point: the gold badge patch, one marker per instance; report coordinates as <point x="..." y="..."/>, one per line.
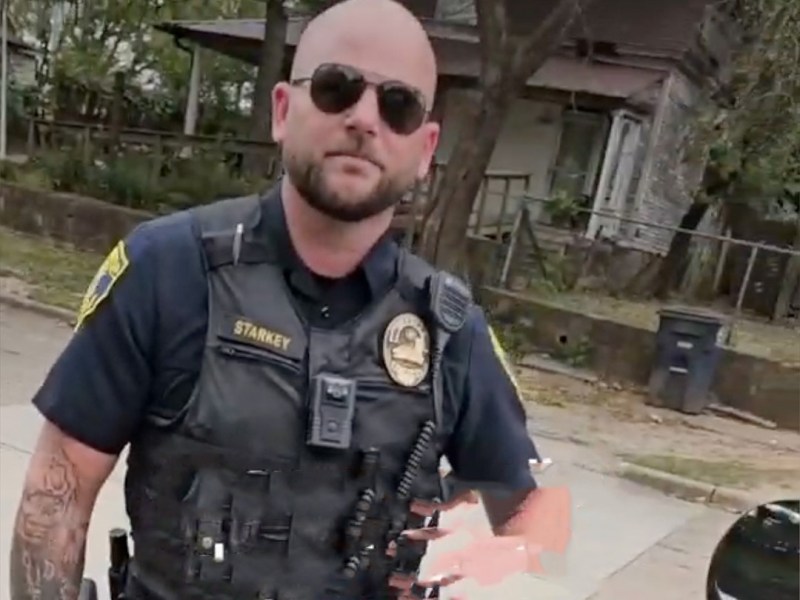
<point x="504" y="360"/>
<point x="107" y="275"/>
<point x="406" y="349"/>
<point x="247" y="331"/>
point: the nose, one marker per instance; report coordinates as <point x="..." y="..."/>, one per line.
<point x="364" y="115"/>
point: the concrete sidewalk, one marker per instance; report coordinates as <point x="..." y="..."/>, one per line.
<point x="29" y="344"/>
<point x="617" y="524"/>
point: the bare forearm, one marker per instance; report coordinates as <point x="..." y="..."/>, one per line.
<point x="48" y="546"/>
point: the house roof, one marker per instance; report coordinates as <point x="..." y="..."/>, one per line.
<point x="634" y="26"/>
<point x="230" y="30"/>
<point x="17" y="44"/>
<point x="455" y="47"/>
<point x="649" y="28"/>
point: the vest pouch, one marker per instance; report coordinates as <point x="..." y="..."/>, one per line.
<point x="247" y="353"/>
<point x="235" y="535"/>
<point x="206" y="527"/>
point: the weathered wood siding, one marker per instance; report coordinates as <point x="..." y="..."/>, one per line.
<point x="667" y="191"/>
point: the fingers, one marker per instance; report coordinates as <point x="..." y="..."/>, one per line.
<point x="427" y="509"/>
<point x="409" y="585"/>
<point x="426" y="534"/>
<point x="440" y="580"/>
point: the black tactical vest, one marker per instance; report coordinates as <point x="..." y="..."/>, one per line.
<point x="293" y="463"/>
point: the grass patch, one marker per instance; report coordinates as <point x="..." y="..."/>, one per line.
<point x="58" y="274"/>
<point x="723" y="473"/>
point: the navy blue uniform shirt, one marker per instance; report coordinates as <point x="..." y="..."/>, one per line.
<point x="140" y="349"/>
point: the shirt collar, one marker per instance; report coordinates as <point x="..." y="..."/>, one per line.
<point x="379" y="265"/>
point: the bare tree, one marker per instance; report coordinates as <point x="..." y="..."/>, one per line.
<point x="508" y="59"/>
<point x="272" y="61"/>
<point x="270" y="67"/>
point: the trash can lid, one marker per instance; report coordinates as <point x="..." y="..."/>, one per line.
<point x="688" y="313"/>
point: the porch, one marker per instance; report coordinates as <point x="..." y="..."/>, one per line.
<point x="585" y="156"/>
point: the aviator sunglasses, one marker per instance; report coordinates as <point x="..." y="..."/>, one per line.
<point x="335" y="88"/>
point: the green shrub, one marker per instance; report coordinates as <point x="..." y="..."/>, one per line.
<point x="26" y="175"/>
<point x="126" y="180"/>
<point x="9" y="171"/>
<point x="203" y="178"/>
<point x="513" y="338"/>
<point x="130" y="178"/>
<point x="67" y="171"/>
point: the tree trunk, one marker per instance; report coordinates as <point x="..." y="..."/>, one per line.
<point x="270" y="71"/>
<point x="717" y="185"/>
<point x="117" y="109"/>
<point x="444" y="237"/>
<point x="675" y="260"/>
<point x="507" y="61"/>
<point x="791" y="279"/>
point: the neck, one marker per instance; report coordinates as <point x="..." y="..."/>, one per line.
<point x="329" y="247"/>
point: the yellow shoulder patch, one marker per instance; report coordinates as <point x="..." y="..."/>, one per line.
<point x="504" y="360"/>
<point x="107" y="275"/>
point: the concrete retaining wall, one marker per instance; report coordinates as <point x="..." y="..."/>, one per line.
<point x="768" y="389"/>
<point x="86" y="223"/>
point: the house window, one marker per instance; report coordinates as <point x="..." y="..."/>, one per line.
<point x="580" y="150"/>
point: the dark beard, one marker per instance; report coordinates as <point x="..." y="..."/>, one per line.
<point x="308" y="181"/>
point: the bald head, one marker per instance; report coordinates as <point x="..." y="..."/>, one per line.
<point x="356" y="135"/>
<point x="385" y="36"/>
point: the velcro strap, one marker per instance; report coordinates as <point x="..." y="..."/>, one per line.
<point x="219" y="250"/>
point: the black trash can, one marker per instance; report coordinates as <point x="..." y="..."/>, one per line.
<point x="687" y="354"/>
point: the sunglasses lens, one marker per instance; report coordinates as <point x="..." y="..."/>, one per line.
<point x="401" y="108"/>
<point x="335" y="88"/>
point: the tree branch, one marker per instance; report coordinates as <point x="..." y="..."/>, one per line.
<point x="492" y="27"/>
<point x="548" y="36"/>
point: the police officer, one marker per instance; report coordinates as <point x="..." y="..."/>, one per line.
<point x="284" y="376"/>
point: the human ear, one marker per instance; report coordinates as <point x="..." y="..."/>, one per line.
<point x="280" y="109"/>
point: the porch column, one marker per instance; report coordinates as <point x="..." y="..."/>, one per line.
<point x="190" y="117"/>
<point x="4" y="82"/>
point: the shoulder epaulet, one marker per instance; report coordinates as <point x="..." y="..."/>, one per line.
<point x="415" y="269"/>
<point x="225" y="229"/>
<point x="224" y="215"/>
<point x="448" y="297"/>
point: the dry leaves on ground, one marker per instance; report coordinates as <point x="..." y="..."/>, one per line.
<point x="617" y="420"/>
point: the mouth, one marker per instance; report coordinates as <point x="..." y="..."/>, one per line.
<point x="354" y="156"/>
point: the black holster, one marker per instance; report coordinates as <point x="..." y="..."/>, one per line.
<point x="118" y="564"/>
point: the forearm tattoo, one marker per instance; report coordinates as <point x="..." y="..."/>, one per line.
<point x="48" y="546"/>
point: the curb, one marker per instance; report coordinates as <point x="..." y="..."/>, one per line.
<point x="689" y="489"/>
<point x="46" y="310"/>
